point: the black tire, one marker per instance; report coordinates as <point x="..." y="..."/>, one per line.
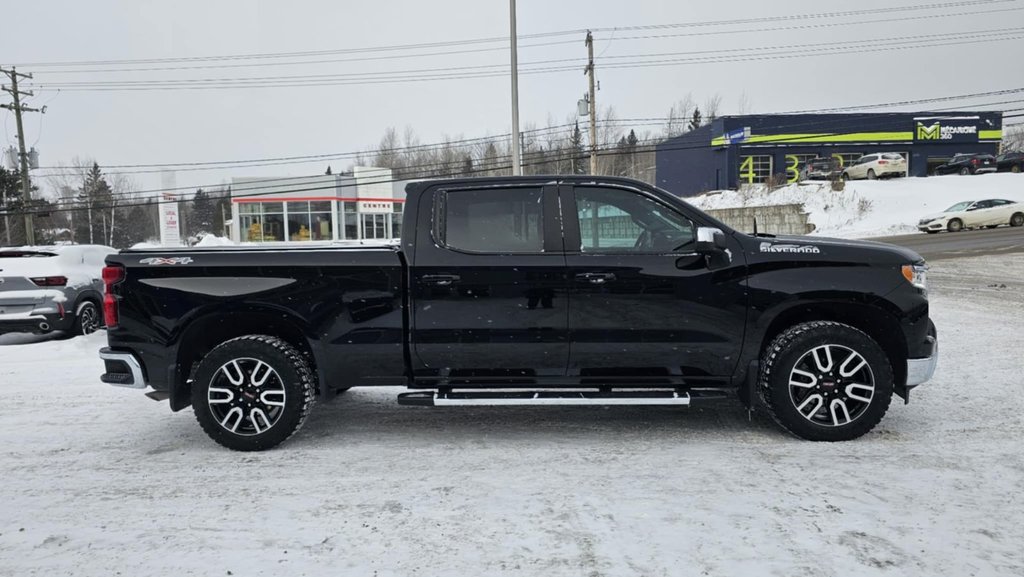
<point x="846" y="177"/>
<point x="955" y="225"/>
<point x="1017" y="219"/>
<point x="965" y="171"/>
<point x="288" y="378"/>
<point x="871" y="174"/>
<point x="88" y="319"/>
<point x="1015" y="169"/>
<point x="789" y="350"/>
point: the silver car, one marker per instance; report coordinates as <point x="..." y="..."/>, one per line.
<point x="50" y="288"/>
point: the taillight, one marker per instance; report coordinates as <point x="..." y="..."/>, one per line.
<point x="111" y="276"/>
<point x="974" y="161"/>
<point x="50" y="280"/>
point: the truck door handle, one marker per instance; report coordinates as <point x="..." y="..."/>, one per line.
<point x="440" y="279"/>
<point x="596" y="277"/>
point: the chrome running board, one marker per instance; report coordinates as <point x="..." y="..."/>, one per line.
<point x="551" y="398"/>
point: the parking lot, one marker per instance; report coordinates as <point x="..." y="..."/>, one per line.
<point x="102" y="481"/>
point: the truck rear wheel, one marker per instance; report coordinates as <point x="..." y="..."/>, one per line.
<point x="826" y="381"/>
<point x="253" y="392"/>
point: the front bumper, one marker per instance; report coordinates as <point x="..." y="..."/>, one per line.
<point x="921" y="370"/>
<point x="932" y="225"/>
<point x="122" y="369"/>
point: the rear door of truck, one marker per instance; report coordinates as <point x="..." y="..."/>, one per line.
<point x="488" y="284"/>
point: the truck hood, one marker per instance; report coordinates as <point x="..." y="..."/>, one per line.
<point x="818" y="248"/>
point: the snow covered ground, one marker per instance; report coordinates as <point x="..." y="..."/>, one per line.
<point x="873" y="208"/>
<point x="102" y="481"/>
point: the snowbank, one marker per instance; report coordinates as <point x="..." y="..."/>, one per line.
<point x="872" y="208"/>
<point x="214" y="240"/>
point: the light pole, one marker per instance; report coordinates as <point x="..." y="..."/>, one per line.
<point x="517" y="167"/>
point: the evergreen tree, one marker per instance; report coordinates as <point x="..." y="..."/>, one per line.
<point x="695" y="122"/>
<point x="201" y="216"/>
<point x="577" y="153"/>
<point x="96" y="198"/>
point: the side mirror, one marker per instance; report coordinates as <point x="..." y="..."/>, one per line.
<point x="710" y="239"/>
<point x="712" y="244"/>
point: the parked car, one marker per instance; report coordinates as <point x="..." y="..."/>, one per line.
<point x="526" y="291"/>
<point x="50" y="288"/>
<point x="988" y="213"/>
<point x="1010" y="162"/>
<point x="968" y="164"/>
<point x="878" y="165"/>
<point x="824" y="168"/>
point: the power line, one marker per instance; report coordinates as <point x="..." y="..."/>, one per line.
<point x="503" y="67"/>
<point x="478" y="50"/>
<point x="501" y="39"/>
<point x="236" y="83"/>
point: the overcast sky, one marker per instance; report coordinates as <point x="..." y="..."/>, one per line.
<point x="160" y="126"/>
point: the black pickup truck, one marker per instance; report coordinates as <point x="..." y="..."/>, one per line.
<point x="526" y="291"/>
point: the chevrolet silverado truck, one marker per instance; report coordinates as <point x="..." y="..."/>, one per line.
<point x="526" y="291"/>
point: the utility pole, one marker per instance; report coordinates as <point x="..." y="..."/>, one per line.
<point x="18" y="108"/>
<point x="589" y="71"/>
<point x="517" y="167"/>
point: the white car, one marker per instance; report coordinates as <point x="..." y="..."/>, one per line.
<point x="877" y="165"/>
<point x="988" y="213"/>
<point x="50" y="288"/>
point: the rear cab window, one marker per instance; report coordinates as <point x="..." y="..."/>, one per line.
<point x="498" y="221"/>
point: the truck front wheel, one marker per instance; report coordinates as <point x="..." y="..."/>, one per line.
<point x="826" y="381"/>
<point x="253" y="392"/>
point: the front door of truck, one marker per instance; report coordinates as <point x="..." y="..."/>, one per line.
<point x="642" y="303"/>
<point x="488" y="285"/>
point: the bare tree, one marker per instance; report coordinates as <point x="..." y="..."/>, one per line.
<point x="1013" y="139"/>
<point x="743" y="104"/>
<point x="712" y="106"/>
<point x="678" y="116"/>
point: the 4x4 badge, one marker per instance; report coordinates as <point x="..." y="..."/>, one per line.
<point x="166" y="260"/>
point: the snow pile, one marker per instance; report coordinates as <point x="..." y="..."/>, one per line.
<point x="214" y="240"/>
<point x="872" y="208"/>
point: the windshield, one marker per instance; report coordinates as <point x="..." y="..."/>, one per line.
<point x="958" y="207"/>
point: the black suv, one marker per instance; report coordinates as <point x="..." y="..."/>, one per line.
<point x="968" y="164"/>
<point x="1010" y="162"/>
<point x="822" y="168"/>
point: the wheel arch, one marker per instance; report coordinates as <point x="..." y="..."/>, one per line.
<point x="205" y="332"/>
<point x="882" y="326"/>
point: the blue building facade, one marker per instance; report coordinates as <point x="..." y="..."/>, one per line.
<point x="735" y="150"/>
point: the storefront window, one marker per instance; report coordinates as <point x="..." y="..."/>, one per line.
<point x="320" y="220"/>
<point x="348" y="221"/>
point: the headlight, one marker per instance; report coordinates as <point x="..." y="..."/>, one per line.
<point x="917" y="275"/>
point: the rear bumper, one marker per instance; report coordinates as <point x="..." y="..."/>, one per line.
<point x="35" y="322"/>
<point x="985" y="169"/>
<point x="122" y="369"/>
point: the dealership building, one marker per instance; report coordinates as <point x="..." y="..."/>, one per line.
<point x="365" y="204"/>
<point x="731" y="151"/>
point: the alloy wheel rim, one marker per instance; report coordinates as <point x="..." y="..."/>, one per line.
<point x="90" y="320"/>
<point x="246" y="396"/>
<point x="831" y="385"/>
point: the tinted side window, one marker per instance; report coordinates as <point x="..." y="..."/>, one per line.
<point x="621" y="221"/>
<point x="493" y="220"/>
